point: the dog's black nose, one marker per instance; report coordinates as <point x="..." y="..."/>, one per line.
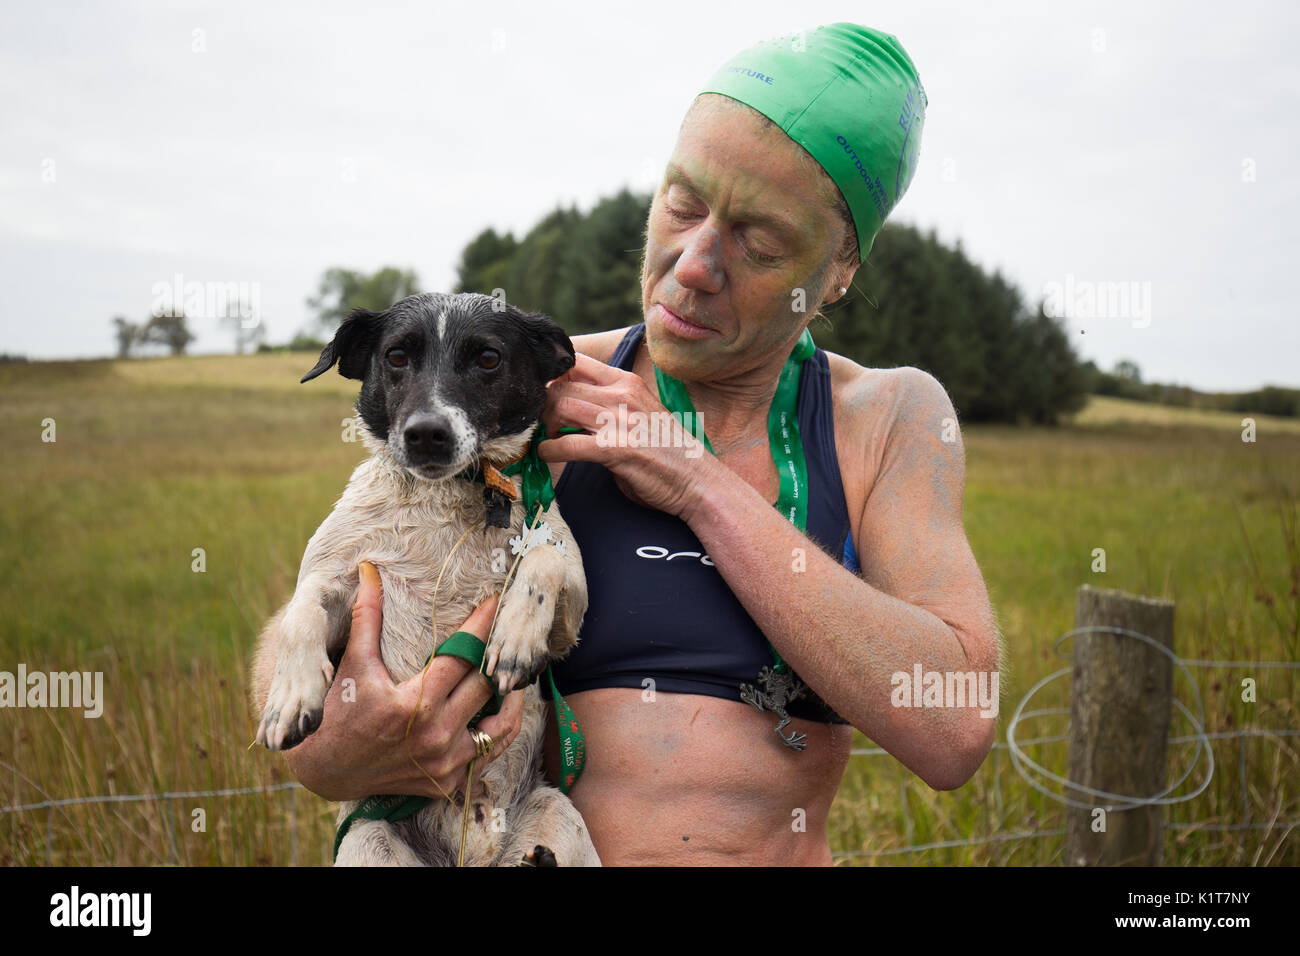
<point x="428" y="439"/>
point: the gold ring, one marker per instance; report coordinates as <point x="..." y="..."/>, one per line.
<point x="482" y="742"/>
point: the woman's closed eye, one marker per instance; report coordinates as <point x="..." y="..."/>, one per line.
<point x="761" y="258"/>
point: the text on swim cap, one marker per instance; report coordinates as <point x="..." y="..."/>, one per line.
<point x="911" y="120"/>
<point x="874" y="184"/>
<point x="754" y="73"/>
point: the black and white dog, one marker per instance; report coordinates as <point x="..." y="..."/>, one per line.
<point x="449" y="382"/>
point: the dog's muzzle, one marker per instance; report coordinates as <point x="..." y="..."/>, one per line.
<point x="429" y="441"/>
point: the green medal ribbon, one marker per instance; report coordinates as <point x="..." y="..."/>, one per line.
<point x="782" y="434"/>
<point x="391" y="808"/>
<point x="536" y="474"/>
<point x="573" y="748"/>
<point x="538" y="494"/>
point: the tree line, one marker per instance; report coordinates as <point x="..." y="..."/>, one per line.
<point x="1125" y="381"/>
<point x="171" y="330"/>
<point x="915" y="301"/>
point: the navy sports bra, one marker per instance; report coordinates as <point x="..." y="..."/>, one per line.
<point x="658" y="608"/>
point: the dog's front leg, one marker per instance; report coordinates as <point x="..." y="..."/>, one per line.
<point x="572" y="605"/>
<point x="303" y="671"/>
<point x="520" y="644"/>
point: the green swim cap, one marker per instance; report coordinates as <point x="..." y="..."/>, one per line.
<point x="851" y="97"/>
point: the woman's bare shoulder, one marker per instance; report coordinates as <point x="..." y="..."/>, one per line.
<point x="876" y="409"/>
<point x="862" y="392"/>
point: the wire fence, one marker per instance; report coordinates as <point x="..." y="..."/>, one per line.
<point x="1011" y="745"/>
<point x="52" y="805"/>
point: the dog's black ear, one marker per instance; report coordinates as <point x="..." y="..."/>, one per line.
<point x="550" y="344"/>
<point x="351" y="347"/>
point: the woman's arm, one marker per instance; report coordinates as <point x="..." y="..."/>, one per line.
<point x="921" y="600"/>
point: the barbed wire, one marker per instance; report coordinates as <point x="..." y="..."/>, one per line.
<point x="1015" y="747"/>
<point x="1200" y="736"/>
<point x="142" y="797"/>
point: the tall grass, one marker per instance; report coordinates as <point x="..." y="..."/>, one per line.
<point x="157" y="458"/>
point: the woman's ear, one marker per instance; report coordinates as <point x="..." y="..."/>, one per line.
<point x="351" y="346"/>
<point x="843" y="282"/>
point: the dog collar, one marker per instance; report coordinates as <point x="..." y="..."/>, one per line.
<point x="499" y="491"/>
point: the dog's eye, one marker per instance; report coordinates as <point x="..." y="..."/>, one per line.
<point x="396" y="358"/>
<point x="489" y="358"/>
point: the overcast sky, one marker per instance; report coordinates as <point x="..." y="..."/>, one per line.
<point x="1067" y="145"/>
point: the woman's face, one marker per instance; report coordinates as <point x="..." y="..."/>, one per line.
<point x="740" y="240"/>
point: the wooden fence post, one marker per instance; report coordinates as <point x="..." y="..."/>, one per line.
<point x="1121" y="701"/>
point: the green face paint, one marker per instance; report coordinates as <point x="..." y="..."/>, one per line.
<point x="851" y="97"/>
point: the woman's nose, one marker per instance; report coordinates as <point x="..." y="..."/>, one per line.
<point x="700" y="264"/>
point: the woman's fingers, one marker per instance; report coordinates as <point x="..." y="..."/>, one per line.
<point x="588" y="369"/>
<point x="597" y="395"/>
<point x="473" y="690"/>
<point x="443" y="746"/>
<point x="361" y="656"/>
<point x="449" y="774"/>
<point x="575" y="447"/>
<point x="467" y="699"/>
<point x="582" y="411"/>
<point x="449" y="692"/>
<point x="479" y="621"/>
<point x="503" y="726"/>
<point x="434" y="685"/>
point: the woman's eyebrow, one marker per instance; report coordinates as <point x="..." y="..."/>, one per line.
<point x="787" y="229"/>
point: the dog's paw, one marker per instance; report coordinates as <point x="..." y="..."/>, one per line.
<point x="541" y="856"/>
<point x="519" y="648"/>
<point x="297" y="699"/>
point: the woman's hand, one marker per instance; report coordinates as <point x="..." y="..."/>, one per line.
<point x="362" y="746"/>
<point x="665" y="470"/>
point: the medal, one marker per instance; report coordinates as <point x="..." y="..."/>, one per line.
<point x="778" y="690"/>
<point x="779" y="685"/>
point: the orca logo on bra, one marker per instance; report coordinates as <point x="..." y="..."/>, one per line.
<point x="654" y="552"/>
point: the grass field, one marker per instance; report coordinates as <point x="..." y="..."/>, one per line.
<point x="156" y="458"/>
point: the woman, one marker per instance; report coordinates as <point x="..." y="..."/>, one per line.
<point x="783" y="172"/>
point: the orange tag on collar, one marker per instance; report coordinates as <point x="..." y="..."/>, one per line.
<point x="494" y="479"/>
